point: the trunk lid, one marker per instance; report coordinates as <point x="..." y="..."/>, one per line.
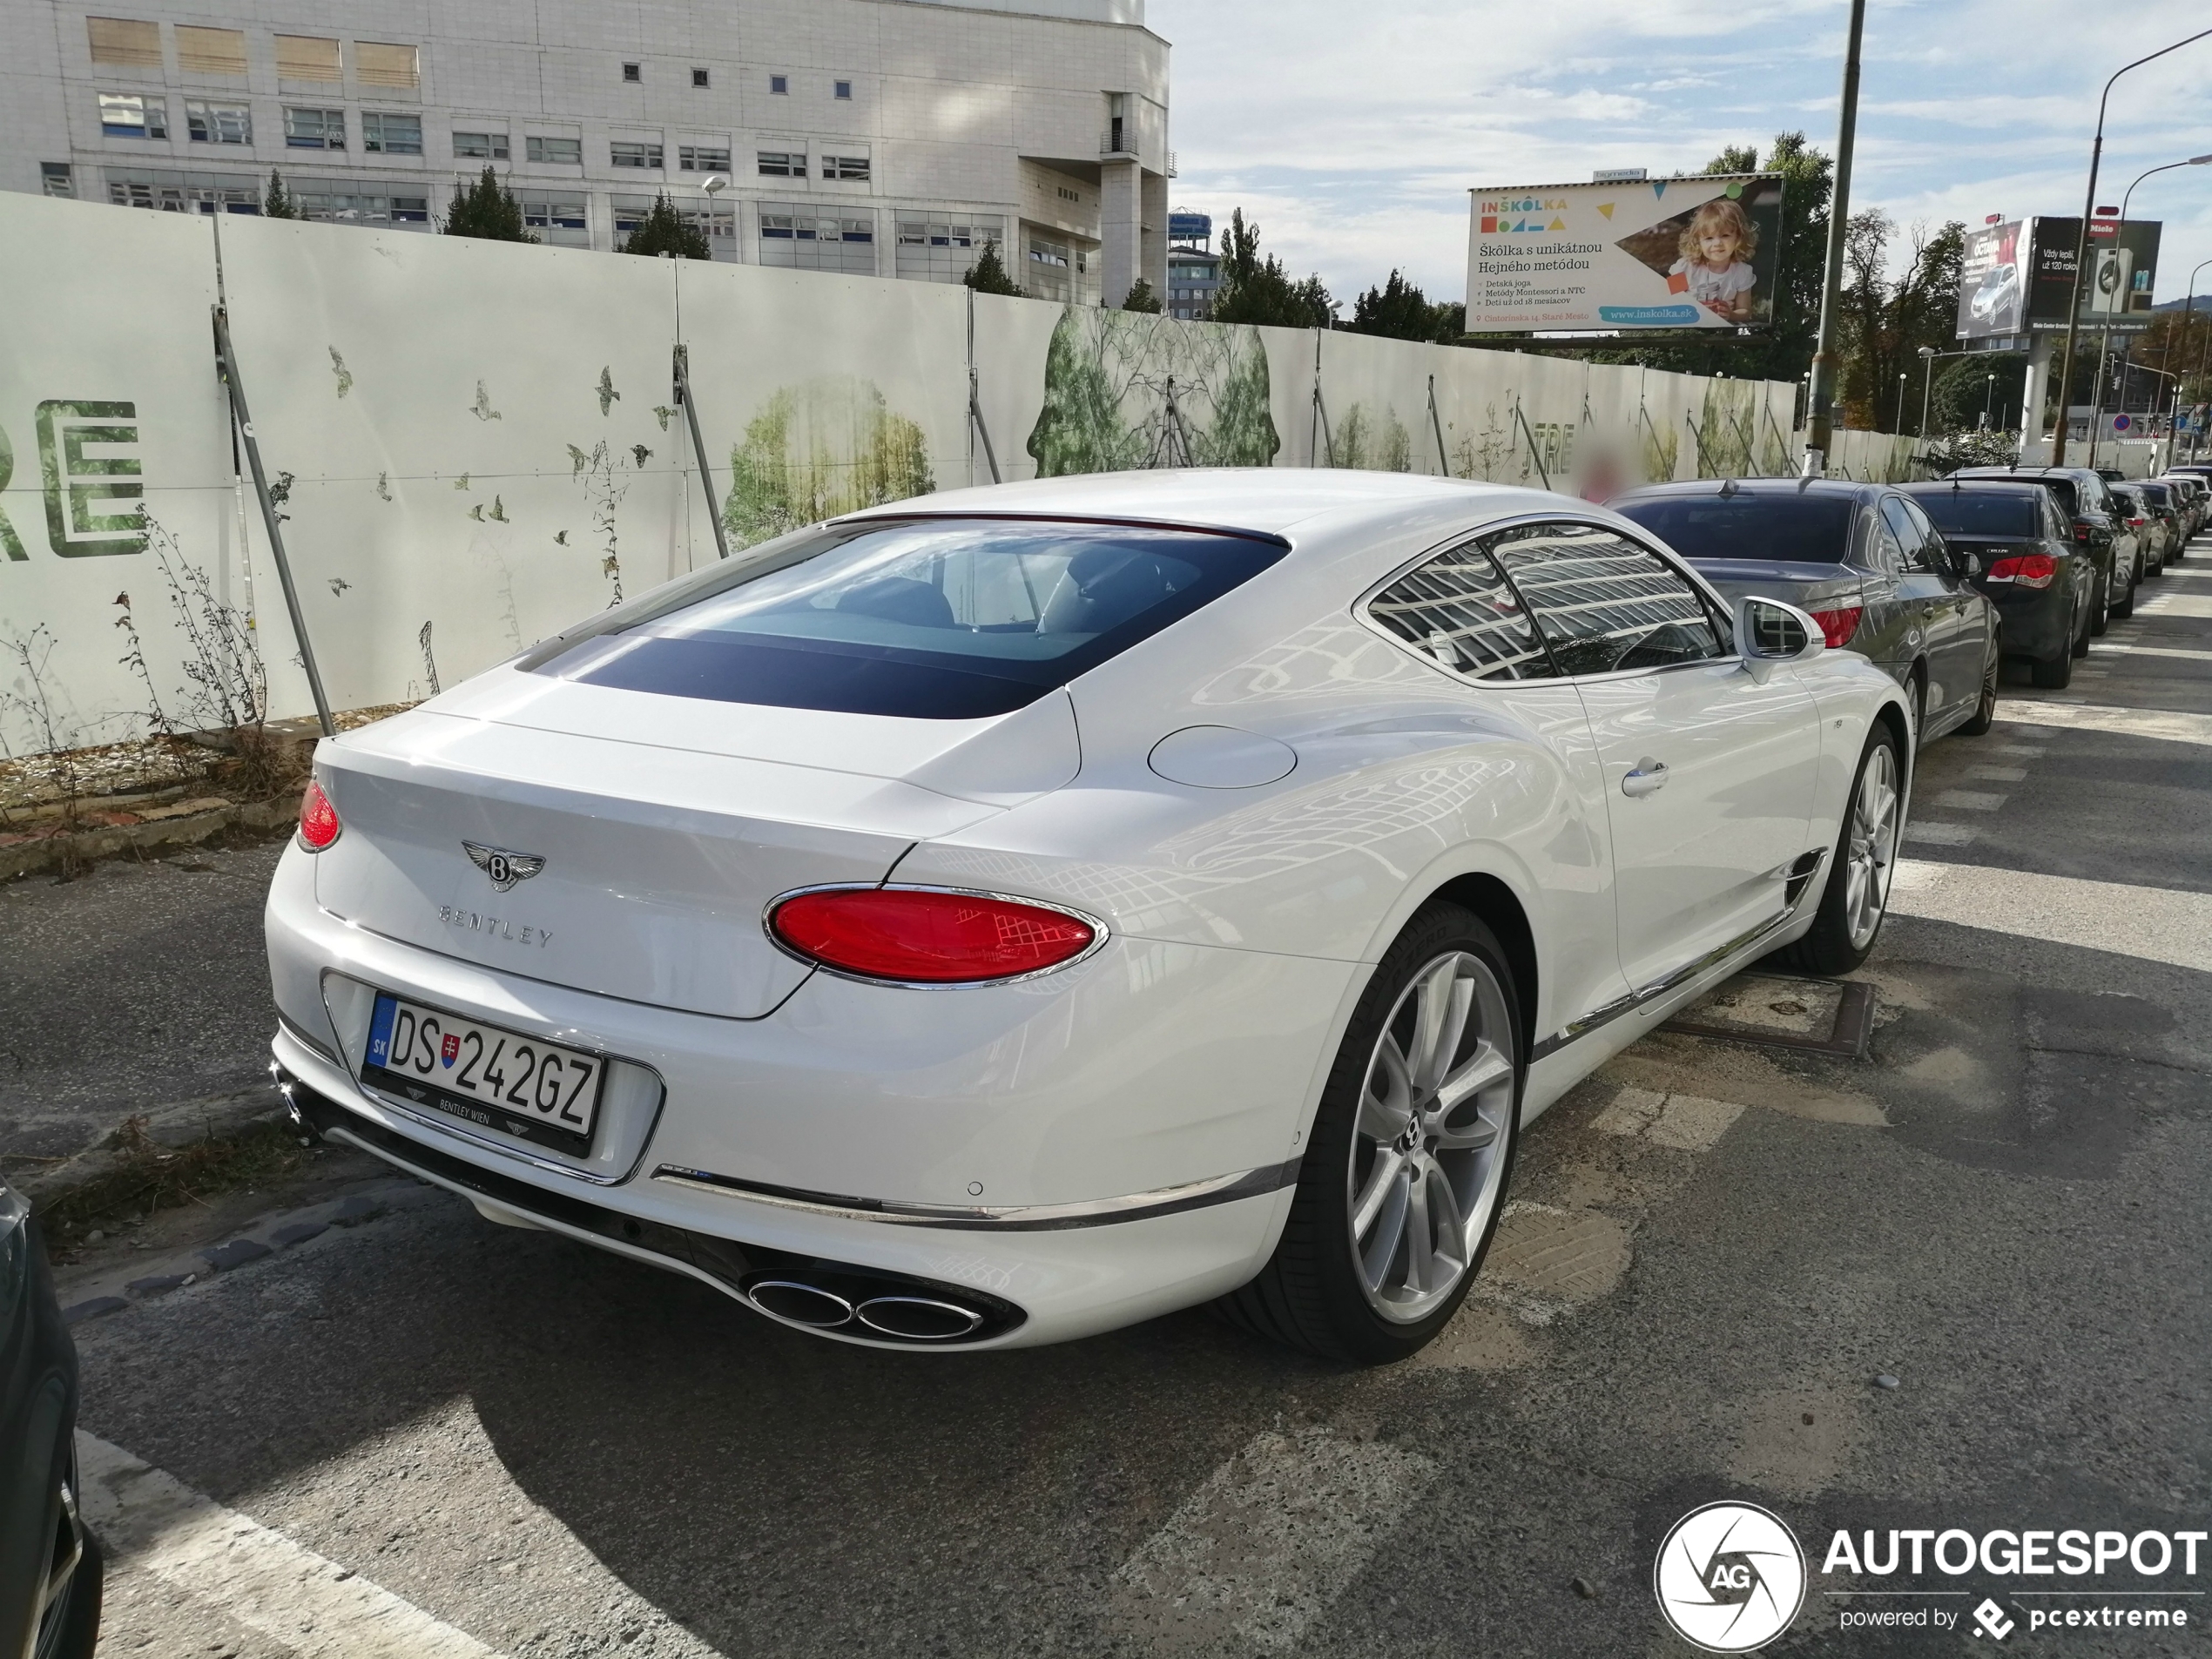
<point x="1809" y="587"/>
<point x="661" y="826"/>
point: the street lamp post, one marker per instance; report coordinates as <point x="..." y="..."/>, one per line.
<point x="1820" y="413"/>
<point x="1898" y="424"/>
<point x="1988" y="393"/>
<point x="1927" y="383"/>
<point x="2104" y="335"/>
<point x="2082" y="241"/>
<point x="2188" y="306"/>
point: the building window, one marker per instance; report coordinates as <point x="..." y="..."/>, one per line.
<point x="378" y="63"/>
<point x="306" y="57"/>
<point x="183" y="192"/>
<point x="818" y="237"/>
<point x="636" y="153"/>
<point x="633" y="72"/>
<point x="845" y="90"/>
<point x="559" y="216"/>
<point x="699" y="77"/>
<point x="782" y="164"/>
<point x="1049" y="253"/>
<point x="480" y="147"/>
<point x="125" y="43"/>
<point x="702" y="157"/>
<point x="210" y="51"/>
<point x="207" y="123"/>
<point x="941" y="250"/>
<point x="315" y="129"/>
<point x="372" y="205"/>
<point x="391" y="135"/>
<point x="132" y="115"/>
<point x="845" y="167"/>
<point x="555" y="152"/>
<point x="53" y="177"/>
<point x="1066" y="194"/>
<point x="779" y="84"/>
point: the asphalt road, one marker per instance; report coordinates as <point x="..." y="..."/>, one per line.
<point x="421" y="1433"/>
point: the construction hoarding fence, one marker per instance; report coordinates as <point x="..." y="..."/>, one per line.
<point x="472" y="445"/>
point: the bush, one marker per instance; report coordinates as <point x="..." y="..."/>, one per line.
<point x="987" y="275"/>
<point x="666" y="231"/>
<point x="487" y="211"/>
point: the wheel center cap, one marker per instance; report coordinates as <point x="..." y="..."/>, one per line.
<point x="1409" y="1138"/>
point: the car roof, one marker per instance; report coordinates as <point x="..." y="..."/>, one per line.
<point x="1959" y="481"/>
<point x="1271" y="499"/>
<point x="1739" y="487"/>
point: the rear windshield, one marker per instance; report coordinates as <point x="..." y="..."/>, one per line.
<point x="1790" y="529"/>
<point x="934" y="620"/>
<point x="2155" y="494"/>
<point x="1966" y="512"/>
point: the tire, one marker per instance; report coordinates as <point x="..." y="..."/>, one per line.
<point x="1850" y="919"/>
<point x="2125" y="608"/>
<point x="2056" y="673"/>
<point x="1357" y="1293"/>
<point x="73" y="1623"/>
<point x="1985" y="714"/>
<point x="2099" y="611"/>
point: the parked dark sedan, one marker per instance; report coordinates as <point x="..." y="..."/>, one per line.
<point x="2041" y="579"/>
<point x="1864" y="560"/>
<point x="2085" y="500"/>
<point x="2196" y="497"/>
<point x="2163" y="501"/>
<point x="49" y="1564"/>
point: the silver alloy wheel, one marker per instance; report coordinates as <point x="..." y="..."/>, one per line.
<point x="1429" y="1148"/>
<point x="1870" y="850"/>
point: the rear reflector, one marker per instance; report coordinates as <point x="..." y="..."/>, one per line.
<point x="1837" y="626"/>
<point x="928" y="935"/>
<point x="318" y="824"/>
<point x="2029" y="569"/>
<point x="2080" y="532"/>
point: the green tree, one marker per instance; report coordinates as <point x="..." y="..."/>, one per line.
<point x="987" y="275"/>
<point x="1399" y="310"/>
<point x="666" y="230"/>
<point x="1256" y="290"/>
<point x="1141" y="298"/>
<point x="1885" y="321"/>
<point x="278" y="203"/>
<point x="1962" y="389"/>
<point x="488" y="211"/>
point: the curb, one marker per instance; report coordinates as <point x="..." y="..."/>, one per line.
<point x="39" y="852"/>
<point x="214" y="1117"/>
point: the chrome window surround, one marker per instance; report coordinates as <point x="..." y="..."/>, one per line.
<point x="1719" y="608"/>
<point x="1099" y="934"/>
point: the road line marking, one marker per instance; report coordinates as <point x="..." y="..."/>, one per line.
<point x="2167" y="724"/>
<point x="1971" y="801"/>
<point x="2151" y="651"/>
<point x="2176" y="604"/>
<point x="1941" y="834"/>
<point x="256" y="1576"/>
<point x="2154" y="924"/>
<point x="1266" y="1543"/>
<point x="2032" y="750"/>
<point x="1998" y="774"/>
<point x="1687" y="1122"/>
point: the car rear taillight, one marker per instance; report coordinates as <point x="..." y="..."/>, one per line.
<point x="928" y="935"/>
<point x="1838" y="625"/>
<point x="318" y="824"/>
<point x="2135" y="523"/>
<point x="2080" y="532"/>
<point x="2029" y="569"/>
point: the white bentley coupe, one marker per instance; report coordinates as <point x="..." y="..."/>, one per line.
<point x="1016" y="913"/>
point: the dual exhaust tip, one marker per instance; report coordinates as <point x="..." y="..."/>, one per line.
<point x="886" y="1312"/>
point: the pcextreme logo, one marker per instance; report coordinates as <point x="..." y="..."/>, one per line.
<point x="88" y="463"/>
<point x="1729" y="1577"/>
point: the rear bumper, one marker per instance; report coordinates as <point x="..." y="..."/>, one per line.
<point x="1131" y="1125"/>
<point x="2032" y="623"/>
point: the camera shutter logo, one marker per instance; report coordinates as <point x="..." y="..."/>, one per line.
<point x="1729" y="1577"/>
<point x="505" y="868"/>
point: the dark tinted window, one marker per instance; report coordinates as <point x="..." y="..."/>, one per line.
<point x="1790" y="529"/>
<point x="1458" y="610"/>
<point x="939" y="620"/>
<point x="2157" y="494"/>
<point x="1968" y="512"/>
<point x="2064" y="490"/>
<point x="1602" y="602"/>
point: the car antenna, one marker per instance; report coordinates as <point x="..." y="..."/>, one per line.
<point x="1728" y="488"/>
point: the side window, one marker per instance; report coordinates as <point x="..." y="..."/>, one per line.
<point x="1604" y="604"/>
<point x="1459" y="611"/>
<point x="1930" y="538"/>
<point x="1885" y="552"/>
<point x="1913" y="546"/>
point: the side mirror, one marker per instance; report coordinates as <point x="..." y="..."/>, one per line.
<point x="1965" y="564"/>
<point x="1771" y="634"/>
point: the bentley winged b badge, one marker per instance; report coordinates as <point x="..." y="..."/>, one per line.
<point x="504" y="868"/>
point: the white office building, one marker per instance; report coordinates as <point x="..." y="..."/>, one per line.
<point x="886" y="138"/>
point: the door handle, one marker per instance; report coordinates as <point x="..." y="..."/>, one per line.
<point x="1648" y="779"/>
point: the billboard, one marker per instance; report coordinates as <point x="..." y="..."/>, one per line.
<point x="1634" y="254"/>
<point x="2016" y="276"/>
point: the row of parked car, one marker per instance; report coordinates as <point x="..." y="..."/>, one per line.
<point x="1942" y="583"/>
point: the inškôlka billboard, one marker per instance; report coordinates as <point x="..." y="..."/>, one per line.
<point x="1700" y="252"/>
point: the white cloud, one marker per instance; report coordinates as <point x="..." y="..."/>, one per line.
<point x="1353" y="134"/>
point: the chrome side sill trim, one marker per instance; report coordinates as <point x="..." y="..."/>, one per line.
<point x="1092" y="1212"/>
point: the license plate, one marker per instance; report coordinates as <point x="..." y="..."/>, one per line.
<point x="533" y="1090"/>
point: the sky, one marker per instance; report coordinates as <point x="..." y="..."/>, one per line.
<point x="1353" y="133"/>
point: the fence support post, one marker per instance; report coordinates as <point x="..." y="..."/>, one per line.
<point x="226" y="359"/>
<point x="683" y="371"/>
<point x="1436" y="425"/>
<point x="1534" y="453"/>
<point x="975" y="414"/>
